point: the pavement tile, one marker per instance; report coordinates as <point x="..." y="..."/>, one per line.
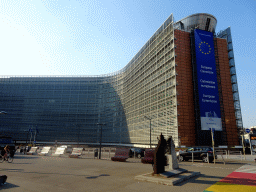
<point x="227" y="187"/>
<point x="242" y="179"/>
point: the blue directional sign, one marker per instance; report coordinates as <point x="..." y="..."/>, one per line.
<point x="247" y="130"/>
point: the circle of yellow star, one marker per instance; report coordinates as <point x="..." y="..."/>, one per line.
<point x="206" y="45"/>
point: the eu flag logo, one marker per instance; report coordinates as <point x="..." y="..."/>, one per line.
<point x="204" y="48"/>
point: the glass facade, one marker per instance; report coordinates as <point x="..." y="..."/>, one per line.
<point x="69" y="108"/>
<point x="201" y="21"/>
<point x="227" y="35"/>
<point x="61" y="108"/>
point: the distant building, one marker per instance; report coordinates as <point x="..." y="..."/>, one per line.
<point x="183" y="79"/>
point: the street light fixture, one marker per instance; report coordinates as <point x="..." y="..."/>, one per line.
<point x="101" y="124"/>
<point x="150" y="127"/>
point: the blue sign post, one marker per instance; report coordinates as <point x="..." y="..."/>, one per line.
<point x="212" y="133"/>
<point x="247" y="130"/>
<point x="207" y="81"/>
<point x="212" y="130"/>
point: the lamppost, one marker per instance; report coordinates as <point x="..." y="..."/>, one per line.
<point x="3" y="113"/>
<point x="28" y="131"/>
<point x="78" y="134"/>
<point x="150" y="127"/>
<point x="101" y="124"/>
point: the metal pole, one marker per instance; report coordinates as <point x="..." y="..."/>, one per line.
<point x="250" y="143"/>
<point x="30" y="138"/>
<point x="150" y="132"/>
<point x="100" y="140"/>
<point x="27" y="139"/>
<point x="243" y="144"/>
<point x="149" y="127"/>
<point x="213" y="146"/>
<point x="34" y="138"/>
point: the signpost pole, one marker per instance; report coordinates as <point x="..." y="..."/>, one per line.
<point x="243" y="144"/>
<point x="250" y="144"/>
<point x="213" y="145"/>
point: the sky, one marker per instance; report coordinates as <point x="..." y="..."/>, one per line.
<point x="95" y="37"/>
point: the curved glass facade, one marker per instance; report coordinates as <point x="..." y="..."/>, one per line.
<point x="201" y="21"/>
<point x="69" y="108"/>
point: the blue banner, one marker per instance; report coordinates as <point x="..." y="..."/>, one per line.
<point x="207" y="81"/>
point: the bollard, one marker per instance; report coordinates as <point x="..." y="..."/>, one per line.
<point x="223" y="160"/>
<point x="208" y="158"/>
<point x="226" y="154"/>
<point x="192" y="157"/>
<point x="241" y="155"/>
<point x="109" y="152"/>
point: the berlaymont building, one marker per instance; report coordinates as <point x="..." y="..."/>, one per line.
<point x="181" y="83"/>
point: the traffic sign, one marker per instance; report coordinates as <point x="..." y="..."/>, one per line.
<point x="247" y="130"/>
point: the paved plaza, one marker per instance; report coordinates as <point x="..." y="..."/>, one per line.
<point x="46" y="173"/>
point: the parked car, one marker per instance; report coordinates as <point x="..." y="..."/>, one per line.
<point x="139" y="152"/>
<point x="199" y="153"/>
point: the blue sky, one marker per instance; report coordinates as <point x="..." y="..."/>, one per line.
<point x="93" y="37"/>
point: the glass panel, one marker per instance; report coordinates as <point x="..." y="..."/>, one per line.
<point x="231" y="62"/>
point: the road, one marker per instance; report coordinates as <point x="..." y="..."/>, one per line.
<point x="46" y="173"/>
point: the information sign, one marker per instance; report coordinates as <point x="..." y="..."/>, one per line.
<point x="247" y="130"/>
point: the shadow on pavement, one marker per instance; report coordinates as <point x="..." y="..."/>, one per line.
<point x="13" y="170"/>
<point x="239" y="181"/>
<point x="8" y="186"/>
<point x="216" y="163"/>
<point x="24" y="157"/>
<point x="204" y="179"/>
<point x="95" y="177"/>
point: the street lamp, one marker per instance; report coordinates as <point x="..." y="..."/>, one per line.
<point x="150" y="127"/>
<point x="3" y="113"/>
<point x="101" y="124"/>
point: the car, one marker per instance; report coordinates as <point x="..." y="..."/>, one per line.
<point x="199" y="153"/>
<point x="139" y="152"/>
